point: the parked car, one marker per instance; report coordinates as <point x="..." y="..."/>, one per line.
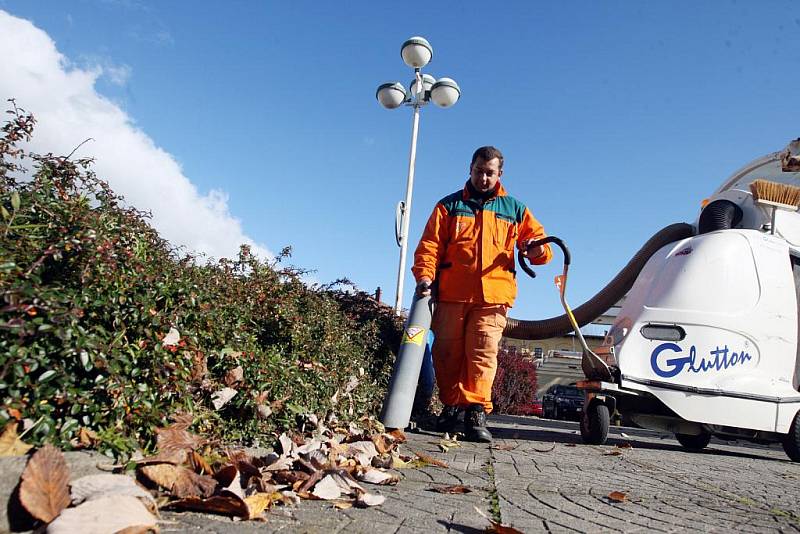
<point x="563" y="402"/>
<point x="534" y="408"/>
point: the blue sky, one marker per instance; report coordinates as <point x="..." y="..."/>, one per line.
<point x="616" y="118"/>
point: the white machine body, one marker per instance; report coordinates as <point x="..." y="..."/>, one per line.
<point x="710" y="327"/>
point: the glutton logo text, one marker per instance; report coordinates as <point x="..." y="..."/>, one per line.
<point x="669" y="364"/>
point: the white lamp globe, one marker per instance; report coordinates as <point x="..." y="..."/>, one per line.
<point x="445" y="92"/>
<point x="416" y="52"/>
<point x="427" y="83"/>
<point x="391" y="95"/>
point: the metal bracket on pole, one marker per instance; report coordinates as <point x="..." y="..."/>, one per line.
<point x="398" y="222"/>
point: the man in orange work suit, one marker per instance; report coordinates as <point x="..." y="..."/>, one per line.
<point x="467" y="248"/>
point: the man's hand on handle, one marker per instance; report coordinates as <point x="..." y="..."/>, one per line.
<point x="533" y="252"/>
<point x="424" y="287"/>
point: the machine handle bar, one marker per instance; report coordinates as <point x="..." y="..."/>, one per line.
<point x="549" y="239"/>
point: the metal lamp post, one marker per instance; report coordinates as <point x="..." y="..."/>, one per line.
<point x="416" y="53"/>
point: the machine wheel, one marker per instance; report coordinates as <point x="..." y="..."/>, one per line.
<point x="594" y="424"/>
<point x="694" y="443"/>
<point x="791" y="443"/>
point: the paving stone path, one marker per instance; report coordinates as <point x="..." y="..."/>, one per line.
<point x="538" y="477"/>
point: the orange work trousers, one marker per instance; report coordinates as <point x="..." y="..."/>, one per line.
<point x="465" y="351"/>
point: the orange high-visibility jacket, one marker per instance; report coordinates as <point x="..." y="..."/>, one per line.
<point x="469" y="248"/>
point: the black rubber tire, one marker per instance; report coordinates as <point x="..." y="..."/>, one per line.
<point x="594" y="424"/>
<point x="694" y="443"/>
<point x="791" y="443"/>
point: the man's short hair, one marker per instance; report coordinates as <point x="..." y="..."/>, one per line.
<point x="487" y="153"/>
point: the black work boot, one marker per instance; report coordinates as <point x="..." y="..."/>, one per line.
<point x="448" y="419"/>
<point x="475" y="425"/>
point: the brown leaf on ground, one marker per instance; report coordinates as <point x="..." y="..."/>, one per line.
<point x="398" y="435"/>
<point x="226" y="475"/>
<point x="180" y="481"/>
<point x="343" y="505"/>
<point x="234" y="376"/>
<point x="93" y="487"/>
<point x="546" y="450"/>
<point x="87" y="438"/>
<point x="617" y="496"/>
<point x="624" y="446"/>
<point x="289" y="477"/>
<point x="496" y="527"/>
<point x="364" y="499"/>
<point x="424" y="459"/>
<point x="310" y="482"/>
<point x="383" y="445"/>
<point x="118" y="513"/>
<point x="259" y="502"/>
<point x="10" y="443"/>
<point x="505" y="447"/>
<point x="226" y="504"/>
<point x="327" y="489"/>
<point x="612" y="453"/>
<point x="44" y="490"/>
<point x="451" y="489"/>
<point x="376" y="476"/>
<point x="199" y="464"/>
<point x="176" y="438"/>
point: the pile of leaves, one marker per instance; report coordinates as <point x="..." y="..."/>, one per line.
<point x="319" y="463"/>
<point x="105" y="328"/>
<point x="514" y="388"/>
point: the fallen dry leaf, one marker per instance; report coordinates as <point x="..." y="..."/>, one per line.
<point x="100" y="516"/>
<point x="327" y="489"/>
<point x="617" y="496"/>
<point x="44" y="490"/>
<point x="496" y="527"/>
<point x="181" y="482"/>
<point x="624" y="446"/>
<point x="199" y="464"/>
<point x="176" y="440"/>
<point x="398" y="435"/>
<point x="10" y="443"/>
<point x="87" y="438"/>
<point x="451" y="489"/>
<point x="383" y="445"/>
<point x="234" y="376"/>
<point x="226" y="504"/>
<point x="505" y="447"/>
<point x="172" y="338"/>
<point x="612" y="453"/>
<point x="424" y="459"/>
<point x="376" y="476"/>
<point x="93" y="487"/>
<point x="259" y="502"/>
<point x="222" y="397"/>
<point x="369" y="499"/>
<point x="343" y="505"/>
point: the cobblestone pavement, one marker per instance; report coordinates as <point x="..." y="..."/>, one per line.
<point x="539" y="477"/>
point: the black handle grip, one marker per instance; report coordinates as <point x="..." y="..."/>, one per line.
<point x="549" y="239"/>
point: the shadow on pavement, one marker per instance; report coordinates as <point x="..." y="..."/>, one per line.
<point x="548" y="431"/>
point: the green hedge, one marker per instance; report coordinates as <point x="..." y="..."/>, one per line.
<point x="89" y="290"/>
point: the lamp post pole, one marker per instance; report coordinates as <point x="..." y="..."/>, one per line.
<point x="405" y="209"/>
<point x="416" y="53"/>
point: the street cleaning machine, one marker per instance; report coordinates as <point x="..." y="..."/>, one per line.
<point x="706" y="341"/>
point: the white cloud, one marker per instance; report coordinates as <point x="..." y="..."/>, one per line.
<point x="69" y="110"/>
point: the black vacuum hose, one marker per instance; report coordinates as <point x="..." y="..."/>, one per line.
<point x="719" y="215"/>
<point x="607" y="297"/>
